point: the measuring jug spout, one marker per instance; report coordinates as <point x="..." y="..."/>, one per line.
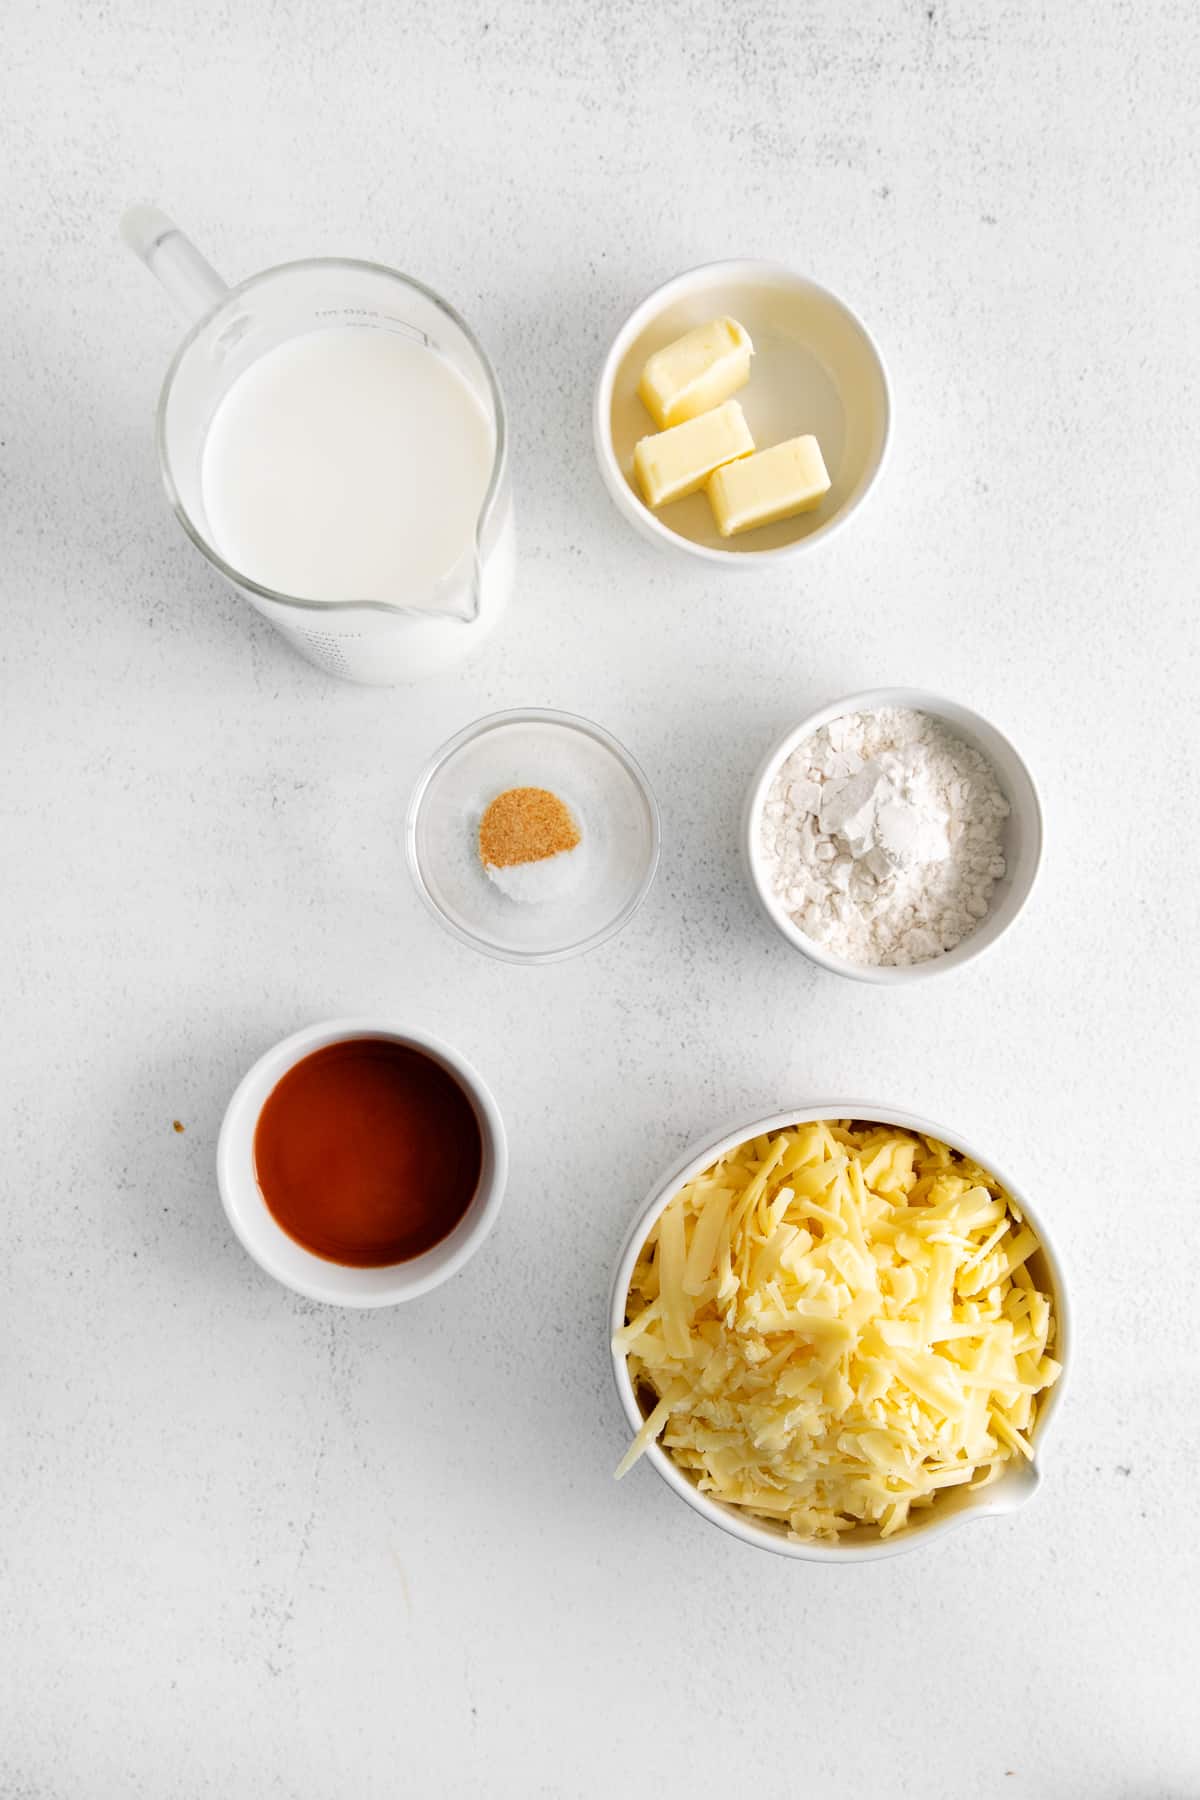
<point x="193" y="285"/>
<point x="457" y="594"/>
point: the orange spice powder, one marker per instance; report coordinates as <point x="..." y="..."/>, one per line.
<point x="525" y="825"/>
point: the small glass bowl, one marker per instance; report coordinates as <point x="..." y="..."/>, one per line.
<point x="598" y="780"/>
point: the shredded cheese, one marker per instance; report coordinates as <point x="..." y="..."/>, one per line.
<point x="835" y="1323"/>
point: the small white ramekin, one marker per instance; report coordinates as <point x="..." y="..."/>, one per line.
<point x="829" y="372"/>
<point x="280" y="1255"/>
<point x="1022" y="835"/>
<point x="957" y="1506"/>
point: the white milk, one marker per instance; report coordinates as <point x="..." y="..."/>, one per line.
<point x="347" y="464"/>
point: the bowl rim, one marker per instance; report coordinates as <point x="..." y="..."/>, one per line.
<point x="251" y="1221"/>
<point x="693" y="1162"/>
<point x="952" y="713"/>
<point x="522" y="715"/>
<point x="628" y="503"/>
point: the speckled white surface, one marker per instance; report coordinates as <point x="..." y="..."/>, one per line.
<point x="252" y="1547"/>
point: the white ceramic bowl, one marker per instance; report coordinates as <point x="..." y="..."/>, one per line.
<point x="957" y="1506"/>
<point x="280" y="1255"/>
<point x="1022" y="837"/>
<point x="816" y="369"/>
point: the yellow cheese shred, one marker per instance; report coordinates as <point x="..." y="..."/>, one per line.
<point x="836" y="1322"/>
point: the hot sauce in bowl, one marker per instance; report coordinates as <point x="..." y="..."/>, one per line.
<point x="367" y="1152"/>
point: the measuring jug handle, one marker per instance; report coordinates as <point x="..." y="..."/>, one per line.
<point x="195" y="287"/>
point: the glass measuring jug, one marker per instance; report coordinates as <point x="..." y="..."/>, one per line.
<point x="425" y="623"/>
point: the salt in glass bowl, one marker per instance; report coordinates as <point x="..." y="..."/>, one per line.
<point x="605" y="790"/>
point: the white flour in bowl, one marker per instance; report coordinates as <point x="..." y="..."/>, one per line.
<point x="882" y="834"/>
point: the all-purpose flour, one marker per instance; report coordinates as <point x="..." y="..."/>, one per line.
<point x="883" y="835"/>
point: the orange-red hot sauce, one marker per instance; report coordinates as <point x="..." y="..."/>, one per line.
<point x="367" y="1152"/>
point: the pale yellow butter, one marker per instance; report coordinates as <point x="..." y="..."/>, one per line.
<point x="672" y="464"/>
<point x="696" y="372"/>
<point x="776" y="483"/>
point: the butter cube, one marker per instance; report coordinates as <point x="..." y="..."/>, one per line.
<point x="696" y="372"/>
<point x="672" y="464"/>
<point x="775" y="484"/>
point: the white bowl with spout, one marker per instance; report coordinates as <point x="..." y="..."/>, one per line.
<point x="957" y="1506"/>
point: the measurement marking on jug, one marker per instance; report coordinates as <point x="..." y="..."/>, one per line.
<point x="386" y="322"/>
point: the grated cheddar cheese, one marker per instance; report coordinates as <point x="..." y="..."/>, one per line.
<point x="834" y="1323"/>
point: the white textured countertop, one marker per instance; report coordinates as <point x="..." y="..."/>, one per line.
<point x="254" y="1547"/>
